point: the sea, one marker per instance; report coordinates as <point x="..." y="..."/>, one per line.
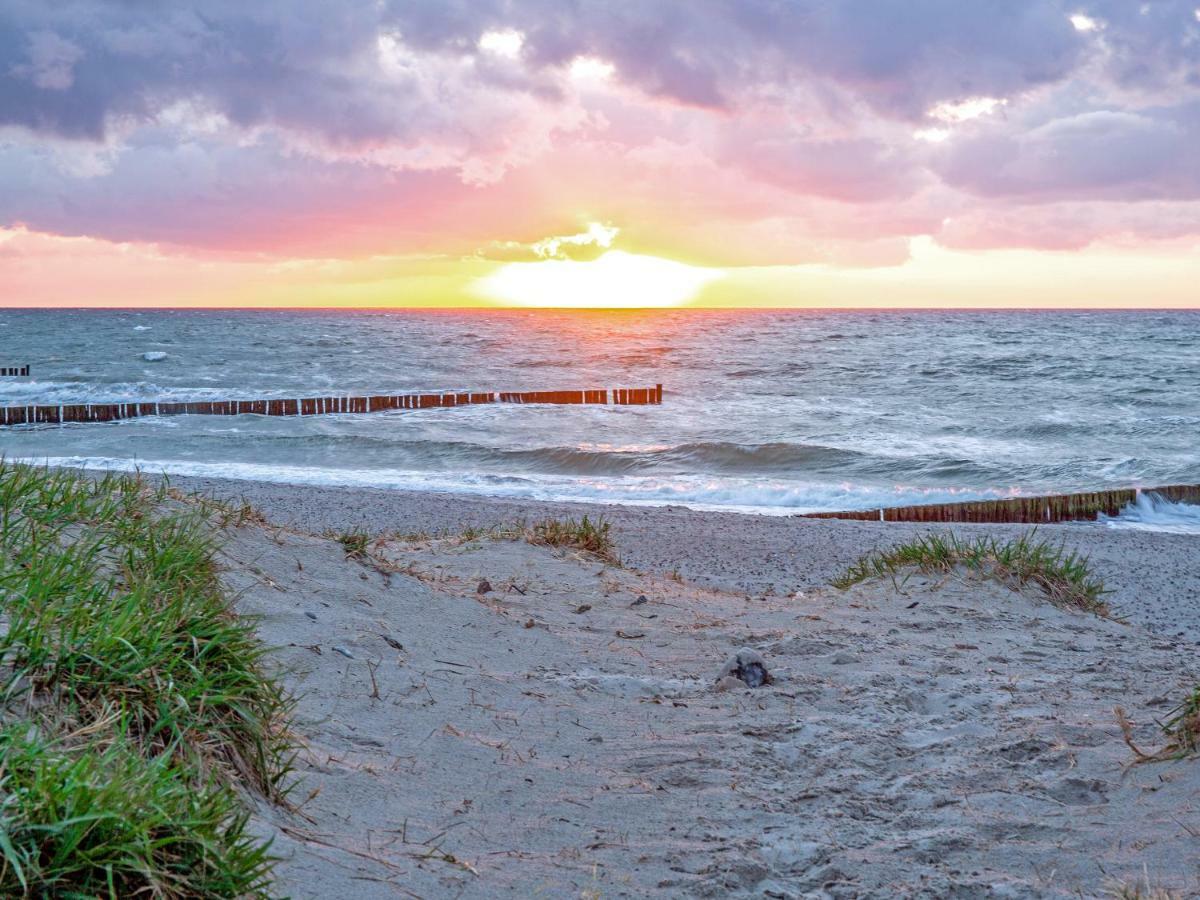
<point x="775" y="412"/>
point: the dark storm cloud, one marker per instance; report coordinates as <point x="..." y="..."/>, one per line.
<point x="70" y="68"/>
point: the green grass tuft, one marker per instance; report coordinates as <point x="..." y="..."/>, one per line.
<point x="97" y="818"/>
<point x="1063" y="576"/>
<point x="586" y="535"/>
<point x="131" y="697"/>
<point x="354" y="542"/>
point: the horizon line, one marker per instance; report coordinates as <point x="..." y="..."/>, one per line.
<point x="597" y="309"/>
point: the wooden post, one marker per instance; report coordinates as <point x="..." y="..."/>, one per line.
<point x="1050" y="508"/>
<point x="311" y="406"/>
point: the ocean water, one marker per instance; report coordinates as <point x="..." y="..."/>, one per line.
<point x="765" y="411"/>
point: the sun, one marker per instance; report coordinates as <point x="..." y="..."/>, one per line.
<point x="616" y="280"/>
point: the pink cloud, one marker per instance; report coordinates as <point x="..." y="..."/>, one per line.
<point x="731" y="133"/>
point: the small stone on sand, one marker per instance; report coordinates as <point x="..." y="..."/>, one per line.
<point x="485" y="587"/>
<point x="748" y="666"/>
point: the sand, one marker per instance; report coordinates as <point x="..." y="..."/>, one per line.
<point x="1154" y="577"/>
<point x="558" y="736"/>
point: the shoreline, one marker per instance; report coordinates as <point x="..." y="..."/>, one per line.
<point x="1154" y="576"/>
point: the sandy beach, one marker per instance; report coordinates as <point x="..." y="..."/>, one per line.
<point x="516" y="450"/>
<point x="1154" y="577"/>
<point x="560" y="729"/>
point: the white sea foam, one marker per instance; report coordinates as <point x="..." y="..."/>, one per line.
<point x="1152" y="512"/>
<point x="50" y="393"/>
<point x="154" y="356"/>
<point x="761" y="496"/>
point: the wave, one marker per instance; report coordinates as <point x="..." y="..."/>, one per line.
<point x="1153" y="512"/>
<point x="724" y="456"/>
<point x="700" y="458"/>
<point x="762" y="496"/>
<point x="50" y="393"/>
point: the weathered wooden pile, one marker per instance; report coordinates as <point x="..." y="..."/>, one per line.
<point x="1032" y="510"/>
<point x="314" y="406"/>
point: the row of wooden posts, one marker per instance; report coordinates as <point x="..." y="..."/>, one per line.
<point x="1029" y="510"/>
<point x="14" y="371"/>
<point x="314" y="406"/>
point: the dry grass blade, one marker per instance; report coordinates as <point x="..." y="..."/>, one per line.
<point x="1182" y="731"/>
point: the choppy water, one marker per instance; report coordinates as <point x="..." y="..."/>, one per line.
<point x="770" y="411"/>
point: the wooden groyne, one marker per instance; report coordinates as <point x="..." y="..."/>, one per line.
<point x="315" y="406"/>
<point x="14" y="371"/>
<point x="1048" y="508"/>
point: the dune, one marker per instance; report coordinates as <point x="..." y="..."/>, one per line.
<point x="483" y="717"/>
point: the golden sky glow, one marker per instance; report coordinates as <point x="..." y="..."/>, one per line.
<point x="50" y="271"/>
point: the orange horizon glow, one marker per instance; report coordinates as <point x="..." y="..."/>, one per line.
<point x="52" y="271"/>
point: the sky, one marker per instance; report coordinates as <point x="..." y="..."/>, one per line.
<point x="807" y="153"/>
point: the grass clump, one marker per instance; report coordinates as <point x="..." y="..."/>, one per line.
<point x="92" y="818"/>
<point x="354" y="542"/>
<point x="131" y="698"/>
<point x="1062" y="575"/>
<point x="584" y="534"/>
<point x="1183" y="727"/>
<point x="1143" y="889"/>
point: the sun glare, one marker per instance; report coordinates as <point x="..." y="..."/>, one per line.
<point x="616" y="280"/>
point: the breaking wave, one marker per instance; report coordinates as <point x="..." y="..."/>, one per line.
<point x="1153" y="512"/>
<point x="752" y="495"/>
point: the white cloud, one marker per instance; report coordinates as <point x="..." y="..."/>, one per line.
<point x="965" y="110"/>
<point x="1084" y="23"/>
<point x="505" y="43"/>
<point x="597" y="235"/>
<point x="588" y="68"/>
<point x="932" y="135"/>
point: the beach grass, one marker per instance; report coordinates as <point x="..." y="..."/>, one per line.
<point x="1063" y="576"/>
<point x="354" y="542"/>
<point x="132" y="699"/>
<point x="1182" y="727"/>
<point x="1142" y="889"/>
<point x="222" y="513"/>
<point x="594" y="537"/>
